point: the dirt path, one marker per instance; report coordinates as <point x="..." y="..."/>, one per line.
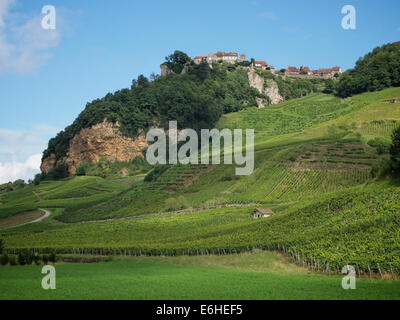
<point x="46" y="214"/>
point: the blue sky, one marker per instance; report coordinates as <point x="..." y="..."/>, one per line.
<point x="48" y="76"/>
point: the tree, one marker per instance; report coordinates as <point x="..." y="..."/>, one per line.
<point x="177" y="61"/>
<point x="1" y="246"/>
<point x="329" y="86"/>
<point x="154" y="76"/>
<point x="36" y="179"/>
<point x="142" y="81"/>
<point x="377" y="70"/>
<point x="59" y="172"/>
<point x="395" y="151"/>
<point x="178" y="57"/>
<point x="203" y="71"/>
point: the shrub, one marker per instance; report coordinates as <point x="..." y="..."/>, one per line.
<point x="176" y="203"/>
<point x="21" y="259"/>
<point x="52" y="257"/>
<point x="381" y="144"/>
<point x="12" y="260"/>
<point x="36" y="258"/>
<point x="45" y="258"/>
<point x="28" y="257"/>
<point x="81" y="171"/>
<point x="4" y="259"/>
<point x="381" y="169"/>
<point x="1" y="246"/>
<point x="59" y="172"/>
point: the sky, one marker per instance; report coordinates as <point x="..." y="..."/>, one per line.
<point x="47" y="76"/>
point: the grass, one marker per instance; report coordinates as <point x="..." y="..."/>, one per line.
<point x="188" y="278"/>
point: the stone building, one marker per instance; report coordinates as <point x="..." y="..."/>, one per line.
<point x="261" y="64"/>
<point x="262" y="213"/>
<point x="230" y="57"/>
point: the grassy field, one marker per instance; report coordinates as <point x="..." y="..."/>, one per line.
<point x="246" y="276"/>
<point x="313" y="167"/>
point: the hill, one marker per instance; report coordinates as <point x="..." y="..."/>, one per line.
<point x="313" y="167"/>
<point x="194" y="95"/>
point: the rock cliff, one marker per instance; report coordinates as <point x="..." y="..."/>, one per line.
<point x="268" y="87"/>
<point x="103" y="140"/>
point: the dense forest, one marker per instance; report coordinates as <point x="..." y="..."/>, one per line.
<point x="377" y="70"/>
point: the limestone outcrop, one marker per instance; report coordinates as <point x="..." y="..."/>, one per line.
<point x="267" y="87"/>
<point x="103" y="140"/>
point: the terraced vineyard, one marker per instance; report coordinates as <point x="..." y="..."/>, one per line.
<point x="313" y="168"/>
<point x="379" y="127"/>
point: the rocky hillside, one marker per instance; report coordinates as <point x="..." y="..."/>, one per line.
<point x="196" y="96"/>
<point x="103" y="140"/>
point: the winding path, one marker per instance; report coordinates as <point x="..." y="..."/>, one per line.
<point x="46" y="214"/>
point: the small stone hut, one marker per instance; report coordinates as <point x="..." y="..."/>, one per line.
<point x="262" y="213"/>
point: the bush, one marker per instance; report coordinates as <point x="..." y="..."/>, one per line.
<point x="36" y="258"/>
<point x="1" y="246"/>
<point x="381" y="169"/>
<point x="176" y="203"/>
<point x="12" y="260"/>
<point x="381" y="144"/>
<point x="4" y="259"/>
<point x="81" y="171"/>
<point x="52" y="257"/>
<point x="45" y="258"/>
<point x="21" y="259"/>
<point x="28" y="257"/>
<point x="59" y="172"/>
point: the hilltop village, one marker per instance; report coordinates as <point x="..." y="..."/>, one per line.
<point x="301" y="72"/>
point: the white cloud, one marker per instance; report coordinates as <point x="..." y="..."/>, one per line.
<point x="11" y="171"/>
<point x="268" y="15"/>
<point x="21" y="151"/>
<point x="23" y="44"/>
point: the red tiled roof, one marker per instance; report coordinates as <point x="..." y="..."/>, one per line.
<point x="200" y="57"/>
<point x="321" y="70"/>
<point x="224" y="54"/>
<point x="293" y="69"/>
<point x="263" y="63"/>
<point x="336" y="68"/>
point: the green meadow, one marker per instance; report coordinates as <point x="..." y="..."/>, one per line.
<point x="247" y="276"/>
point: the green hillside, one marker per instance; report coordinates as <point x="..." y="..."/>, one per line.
<point x="315" y="167"/>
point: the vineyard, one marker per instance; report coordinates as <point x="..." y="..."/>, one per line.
<point x="319" y="232"/>
<point x="313" y="168"/>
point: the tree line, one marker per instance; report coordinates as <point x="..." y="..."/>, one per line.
<point x="375" y="71"/>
